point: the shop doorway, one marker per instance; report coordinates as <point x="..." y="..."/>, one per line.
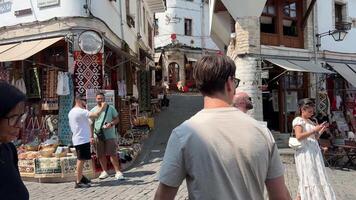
<point x="281" y="98"/>
<point x="173" y="74"/>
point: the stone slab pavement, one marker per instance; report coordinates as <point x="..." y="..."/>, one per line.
<point x="142" y="177"/>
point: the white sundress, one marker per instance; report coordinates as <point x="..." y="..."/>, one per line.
<point x="313" y="180"/>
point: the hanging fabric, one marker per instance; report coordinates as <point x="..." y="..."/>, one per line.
<point x="4" y="74"/>
<point x="88" y="72"/>
<point x="65" y="105"/>
<point x="63" y="84"/>
<point x="122" y="88"/>
<point x="144" y="90"/>
<point x="32" y="82"/>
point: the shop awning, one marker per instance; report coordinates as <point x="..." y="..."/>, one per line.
<point x="157" y="57"/>
<point x="24" y="50"/>
<point x="6" y="47"/>
<point x="311" y="66"/>
<point x="345" y="71"/>
<point x="299" y="66"/>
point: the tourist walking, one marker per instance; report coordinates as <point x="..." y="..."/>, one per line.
<point x="242" y="101"/>
<point x="105" y="137"/>
<point x="79" y="122"/>
<point x="12" y="119"/>
<point x="313" y="180"/>
<point x="221" y="152"/>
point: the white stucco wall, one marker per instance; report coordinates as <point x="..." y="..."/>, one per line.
<point x="182" y="9"/>
<point x="108" y="11"/>
<point x="325" y="20"/>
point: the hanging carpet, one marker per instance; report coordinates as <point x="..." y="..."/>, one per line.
<point x="4" y="74"/>
<point x="144" y="90"/>
<point x="32" y="82"/>
<point x="88" y="72"/>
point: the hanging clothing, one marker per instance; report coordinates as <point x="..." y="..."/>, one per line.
<point x="122" y="88"/>
<point x="19" y="84"/>
<point x="313" y="180"/>
<point x="63" y="84"/>
<point x="135" y="91"/>
<point x="338" y="102"/>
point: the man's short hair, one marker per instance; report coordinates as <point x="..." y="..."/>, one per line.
<point x="211" y="73"/>
<point x="80" y="97"/>
<point x="101" y="93"/>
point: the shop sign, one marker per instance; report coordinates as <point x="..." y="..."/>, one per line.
<point x="47" y="3"/>
<point x="22" y="12"/>
<point x="5" y="6"/>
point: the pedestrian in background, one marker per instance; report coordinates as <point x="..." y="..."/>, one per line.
<point x="79" y="122"/>
<point x="12" y="119"/>
<point x="107" y="146"/>
<point x="313" y="180"/>
<point x="221" y="152"/>
<point x="242" y="101"/>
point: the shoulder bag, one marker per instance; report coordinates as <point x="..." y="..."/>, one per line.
<point x="294" y="142"/>
<point x="100" y="133"/>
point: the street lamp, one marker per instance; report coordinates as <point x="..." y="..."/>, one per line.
<point x="338" y="35"/>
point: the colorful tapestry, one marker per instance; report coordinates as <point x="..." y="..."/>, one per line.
<point x="144" y="90"/>
<point x="88" y="71"/>
<point x="323" y="106"/>
<point x="49" y="84"/>
<point x="48" y="166"/>
<point x="69" y="165"/>
<point x="32" y="81"/>
<point x="65" y="105"/>
<point x="27" y="166"/>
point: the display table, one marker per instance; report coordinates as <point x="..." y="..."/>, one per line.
<point x="53" y="169"/>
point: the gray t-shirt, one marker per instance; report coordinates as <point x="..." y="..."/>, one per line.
<point x="223" y="154"/>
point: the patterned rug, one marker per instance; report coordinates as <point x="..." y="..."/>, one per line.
<point x="65" y="105"/>
<point x="4" y="74"/>
<point x="88" y="71"/>
<point x="49" y="84"/>
<point x="323" y="106"/>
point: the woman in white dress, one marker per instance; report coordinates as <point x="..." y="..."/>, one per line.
<point x="313" y="180"/>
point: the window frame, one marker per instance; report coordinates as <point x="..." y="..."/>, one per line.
<point x="186" y="31"/>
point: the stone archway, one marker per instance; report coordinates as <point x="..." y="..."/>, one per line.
<point x="173" y="75"/>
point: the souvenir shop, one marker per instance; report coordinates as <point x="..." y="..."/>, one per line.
<point x="341" y="93"/>
<point x="51" y="71"/>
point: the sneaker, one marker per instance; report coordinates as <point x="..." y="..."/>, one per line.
<point x="119" y="176"/>
<point x="103" y="175"/>
<point x="81" y="185"/>
<point x="85" y="180"/>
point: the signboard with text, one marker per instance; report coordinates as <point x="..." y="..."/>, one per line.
<point x="47" y="3"/>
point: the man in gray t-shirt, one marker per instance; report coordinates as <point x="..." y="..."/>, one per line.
<point x="221" y="152"/>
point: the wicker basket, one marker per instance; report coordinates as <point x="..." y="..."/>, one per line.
<point x="31" y="148"/>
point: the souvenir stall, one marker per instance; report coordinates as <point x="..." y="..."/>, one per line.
<point x="342" y="95"/>
<point x="43" y="76"/>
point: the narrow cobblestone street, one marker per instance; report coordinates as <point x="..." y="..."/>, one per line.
<point x="142" y="181"/>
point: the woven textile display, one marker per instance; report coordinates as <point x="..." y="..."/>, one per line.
<point x="144" y="79"/>
<point x="323" y="106"/>
<point x="50" y="97"/>
<point x="65" y="105"/>
<point x="88" y="71"/>
<point x="4" y="74"/>
<point x="48" y="166"/>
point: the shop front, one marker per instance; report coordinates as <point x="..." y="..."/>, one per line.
<point x="51" y="71"/>
<point x="285" y="81"/>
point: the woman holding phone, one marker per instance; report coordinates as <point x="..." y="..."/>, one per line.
<point x="313" y="180"/>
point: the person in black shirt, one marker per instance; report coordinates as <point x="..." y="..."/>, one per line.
<point x="12" y="117"/>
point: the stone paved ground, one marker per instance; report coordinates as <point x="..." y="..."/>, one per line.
<point x="142" y="181"/>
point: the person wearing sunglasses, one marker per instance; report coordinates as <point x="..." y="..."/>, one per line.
<point x="242" y="101"/>
<point x="12" y="118"/>
<point x="220" y="151"/>
<point x="79" y="122"/>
